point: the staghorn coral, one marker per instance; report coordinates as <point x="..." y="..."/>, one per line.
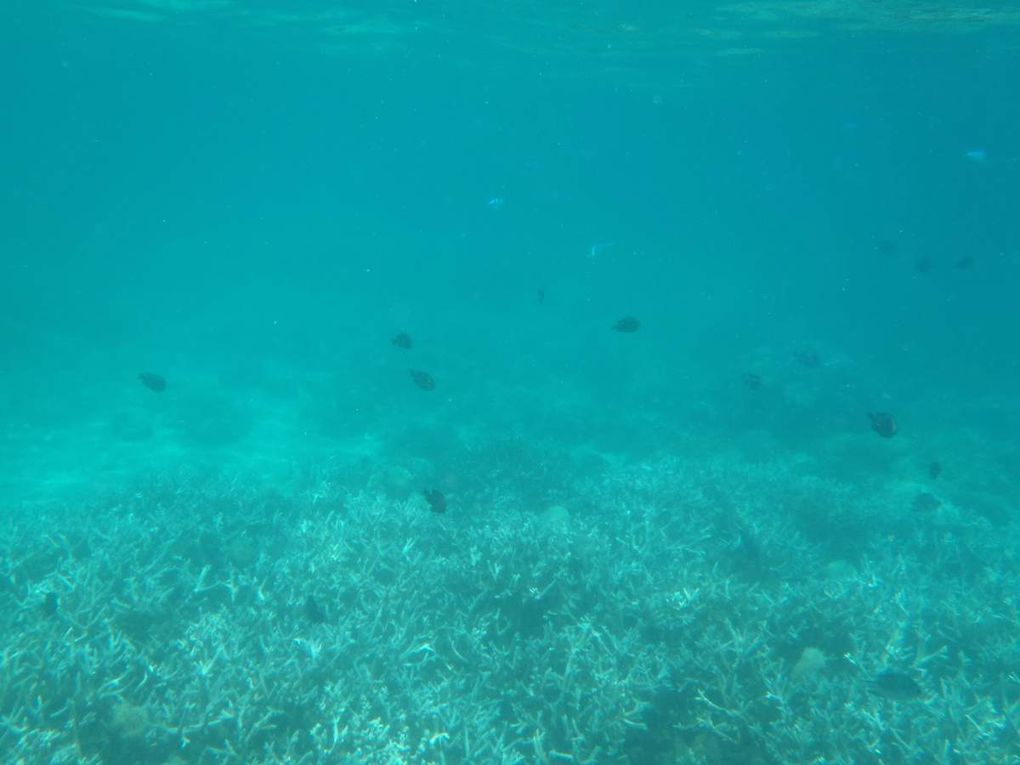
<point x="637" y="633"/>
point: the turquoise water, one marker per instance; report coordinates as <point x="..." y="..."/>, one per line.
<point x="777" y="523"/>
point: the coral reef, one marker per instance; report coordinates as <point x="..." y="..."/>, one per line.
<point x="677" y="613"/>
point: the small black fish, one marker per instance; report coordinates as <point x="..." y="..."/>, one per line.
<point x="883" y="423"/>
<point x="152" y="381"/>
<point x="403" y="340"/>
<point x="965" y="263"/>
<point x="50" y="605"/>
<point x="436" y="500"/>
<point x="934" y="469"/>
<point x="807" y="358"/>
<point x="627" y="324"/>
<point x="423" y="380"/>
<point x="313" y="611"/>
<point x="893" y="685"/>
<point x="926" y="502"/>
<point x="751" y="380"/>
<point x="747" y="550"/>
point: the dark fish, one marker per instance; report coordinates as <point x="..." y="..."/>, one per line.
<point x="403" y="340"/>
<point x="751" y="380"/>
<point x="152" y="381"/>
<point x="436" y="500"/>
<point x="748" y="551"/>
<point x="926" y="502"/>
<point x="883" y="424"/>
<point x="423" y="380"/>
<point x="965" y="263"/>
<point x="934" y="469"/>
<point x="540" y="296"/>
<point x="313" y="611"/>
<point x="897" y="686"/>
<point x="923" y="264"/>
<point x="627" y="324"/>
<point x="49" y="606"/>
<point x="807" y="358"/>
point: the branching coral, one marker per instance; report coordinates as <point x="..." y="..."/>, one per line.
<point x="666" y="622"/>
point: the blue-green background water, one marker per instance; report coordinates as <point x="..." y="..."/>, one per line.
<point x="252" y="199"/>
<point x="197" y="189"/>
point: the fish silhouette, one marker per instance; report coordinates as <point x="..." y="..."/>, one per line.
<point x="897" y="686"/>
<point x="423" y="380"/>
<point x="627" y="324"/>
<point x="436" y="500"/>
<point x="152" y="381"/>
<point x="808" y="358"/>
<point x="751" y="380"/>
<point x="50" y="605"/>
<point x="313" y="612"/>
<point x="403" y="340"/>
<point x="926" y="502"/>
<point x="883" y="423"/>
